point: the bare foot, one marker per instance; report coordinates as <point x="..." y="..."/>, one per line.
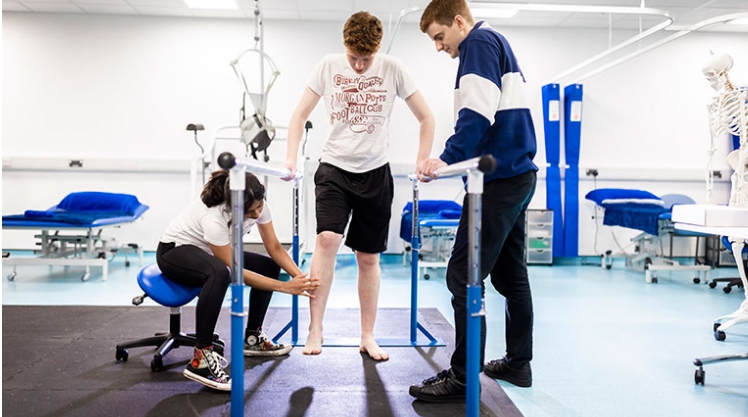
<point x="370" y="346"/>
<point x="313" y="344"/>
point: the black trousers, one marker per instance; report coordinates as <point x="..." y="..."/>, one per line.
<point x="191" y="266"/>
<point x="502" y="255"/>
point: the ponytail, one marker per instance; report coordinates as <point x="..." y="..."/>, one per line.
<point x="217" y="190"/>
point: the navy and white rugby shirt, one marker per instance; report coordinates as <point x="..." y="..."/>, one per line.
<point x="491" y="112"/>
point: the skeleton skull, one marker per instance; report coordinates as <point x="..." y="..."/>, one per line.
<point x="716" y="69"/>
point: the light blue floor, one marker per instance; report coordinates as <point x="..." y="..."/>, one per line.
<point x="606" y="343"/>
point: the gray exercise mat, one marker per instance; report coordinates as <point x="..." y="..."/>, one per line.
<point x="59" y="361"/>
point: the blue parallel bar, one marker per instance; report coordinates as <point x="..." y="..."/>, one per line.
<point x="294" y="323"/>
<point x="237" y="350"/>
<point x="414" y="290"/>
<point x="295" y="298"/>
<point x="472" y="400"/>
<point x="415" y="246"/>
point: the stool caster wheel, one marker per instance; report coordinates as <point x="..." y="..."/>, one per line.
<point x="85" y="277"/>
<point x="699" y="376"/>
<point x="727" y="290"/>
<point x="716" y="326"/>
<point x="712" y="284"/>
<point x="654" y="280"/>
<point x="127" y="264"/>
<point x="426" y="276"/>
<point x="696" y="280"/>
<point x="121" y="355"/>
<point x="157" y="364"/>
<point x="720" y="336"/>
<point x="11" y="276"/>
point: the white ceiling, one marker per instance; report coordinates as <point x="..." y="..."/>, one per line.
<point x="684" y="12"/>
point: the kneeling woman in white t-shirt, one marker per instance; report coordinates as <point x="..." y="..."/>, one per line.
<point x="195" y="251"/>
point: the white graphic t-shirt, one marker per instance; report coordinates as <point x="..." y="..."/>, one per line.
<point x="358" y="109"/>
<point x="199" y="225"/>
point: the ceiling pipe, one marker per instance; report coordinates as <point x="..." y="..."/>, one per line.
<point x="694" y="28"/>
<point x="563" y="8"/>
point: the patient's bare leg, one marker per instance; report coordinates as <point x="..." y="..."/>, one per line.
<point x="369" y="275"/>
<point x="323" y="267"/>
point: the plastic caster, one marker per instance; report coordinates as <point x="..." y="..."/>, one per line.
<point x="699" y="376"/>
<point x="719" y="335"/>
<point x="127" y="263"/>
<point x="716" y="326"/>
<point x="712" y="285"/>
<point x="608" y="266"/>
<point x="11" y="276"/>
<point x="654" y="280"/>
<point x="727" y="290"/>
<point x="157" y="365"/>
<point x="85" y="277"/>
<point x="696" y="280"/>
<point x="426" y="276"/>
<point x="138" y="300"/>
<point x="121" y="355"/>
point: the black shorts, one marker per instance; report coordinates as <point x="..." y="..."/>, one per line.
<point x="365" y="198"/>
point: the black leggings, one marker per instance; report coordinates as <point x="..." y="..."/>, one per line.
<point x="191" y="266"/>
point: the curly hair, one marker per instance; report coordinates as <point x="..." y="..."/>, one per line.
<point x="362" y="33"/>
<point x="443" y="12"/>
<point x="217" y="190"/>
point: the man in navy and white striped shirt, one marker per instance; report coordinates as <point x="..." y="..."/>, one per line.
<point x="492" y="117"/>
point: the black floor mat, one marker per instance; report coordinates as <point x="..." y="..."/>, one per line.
<point x="60" y="361"/>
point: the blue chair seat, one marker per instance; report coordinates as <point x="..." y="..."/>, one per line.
<point x="163" y="290"/>
<point x="169" y="294"/>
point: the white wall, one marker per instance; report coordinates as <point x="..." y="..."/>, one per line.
<point x="118" y="91"/>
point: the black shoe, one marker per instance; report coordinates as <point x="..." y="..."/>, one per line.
<point x="442" y="388"/>
<point x="500" y="369"/>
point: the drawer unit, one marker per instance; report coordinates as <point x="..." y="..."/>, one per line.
<point x="539" y="236"/>
<point x="718" y="255"/>
<point x="539" y="256"/>
<point x="538" y="243"/>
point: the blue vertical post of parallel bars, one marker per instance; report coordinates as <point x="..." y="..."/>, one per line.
<point x="552" y="129"/>
<point x="572" y="141"/>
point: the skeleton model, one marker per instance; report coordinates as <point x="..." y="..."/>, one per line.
<point x="728" y="114"/>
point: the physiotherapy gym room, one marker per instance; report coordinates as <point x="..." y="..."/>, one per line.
<point x="131" y="129"/>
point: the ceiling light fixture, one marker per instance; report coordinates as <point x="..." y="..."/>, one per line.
<point x="212" y="4"/>
<point x="488" y="10"/>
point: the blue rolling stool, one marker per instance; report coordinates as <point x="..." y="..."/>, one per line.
<point x="731" y="282"/>
<point x="169" y="294"/>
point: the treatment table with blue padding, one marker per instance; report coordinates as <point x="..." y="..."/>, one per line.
<point x="437" y="226"/>
<point x="650" y="214"/>
<point x="71" y="230"/>
<point x="633" y="209"/>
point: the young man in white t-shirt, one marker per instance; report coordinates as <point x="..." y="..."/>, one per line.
<point x="354" y="180"/>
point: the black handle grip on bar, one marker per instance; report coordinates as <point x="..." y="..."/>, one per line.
<point x="487" y="164"/>
<point x="226" y="160"/>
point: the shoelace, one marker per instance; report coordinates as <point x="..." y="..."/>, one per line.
<point x="216" y="363"/>
<point x="441" y="376"/>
